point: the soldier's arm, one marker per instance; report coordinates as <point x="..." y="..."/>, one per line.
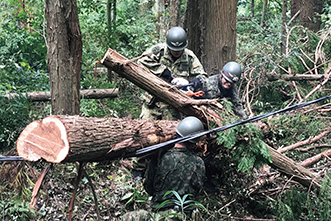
<point x="197" y="69"/>
<point x="151" y="60"/>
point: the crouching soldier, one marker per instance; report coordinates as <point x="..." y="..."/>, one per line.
<point x="222" y="86"/>
<point x="179" y="170"/>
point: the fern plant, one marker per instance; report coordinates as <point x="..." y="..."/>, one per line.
<point x="182" y="203"/>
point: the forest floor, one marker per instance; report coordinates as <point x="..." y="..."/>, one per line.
<point x="229" y="194"/>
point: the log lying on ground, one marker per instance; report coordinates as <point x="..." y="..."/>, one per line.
<point x="293" y="169"/>
<point x="86" y="94"/>
<point x="73" y="138"/>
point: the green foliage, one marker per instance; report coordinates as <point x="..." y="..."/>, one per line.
<point x="298" y="204"/>
<point x="22" y="48"/>
<point x="14" y="116"/>
<point x="182" y="202"/>
<point x="15" y="210"/>
<point x="287" y="129"/>
<point x="135" y="196"/>
<point x="247" y="146"/>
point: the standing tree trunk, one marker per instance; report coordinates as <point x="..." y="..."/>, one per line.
<point x="310" y="11"/>
<point x="295" y="7"/>
<point x="211" y="29"/>
<point x="174" y="12"/>
<point x="264" y="9"/>
<point x="252" y="8"/>
<point x="64" y="55"/>
<point x="159" y="12"/>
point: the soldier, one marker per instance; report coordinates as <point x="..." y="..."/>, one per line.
<point x="178" y="169"/>
<point x="170" y="60"/>
<point x="223" y="85"/>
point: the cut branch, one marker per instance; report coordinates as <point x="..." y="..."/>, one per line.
<point x="315" y="159"/>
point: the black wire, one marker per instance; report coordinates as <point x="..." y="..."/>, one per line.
<point x="10" y="158"/>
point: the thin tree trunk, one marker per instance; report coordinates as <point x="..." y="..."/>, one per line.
<point x="174" y="12"/>
<point x="297" y="77"/>
<point x="283" y="29"/>
<point x="264" y="9"/>
<point x="64" y="55"/>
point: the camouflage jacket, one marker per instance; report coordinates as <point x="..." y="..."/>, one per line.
<point x="213" y="89"/>
<point x="158" y="57"/>
<point x="178" y="169"/>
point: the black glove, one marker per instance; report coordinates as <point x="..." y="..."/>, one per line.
<point x="196" y="83"/>
<point x="166" y="75"/>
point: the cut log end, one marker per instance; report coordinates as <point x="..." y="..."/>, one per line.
<point x="48" y="132"/>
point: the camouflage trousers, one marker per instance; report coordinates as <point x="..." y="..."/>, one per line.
<point x="160" y="111"/>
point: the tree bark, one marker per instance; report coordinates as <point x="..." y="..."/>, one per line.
<point x="64" y="55"/>
<point x="294" y="170"/>
<point x="211" y="30"/>
<point x="283" y="29"/>
<point x="174" y="6"/>
<point x="310" y="14"/>
<point x="66" y="138"/>
<point x="86" y="94"/>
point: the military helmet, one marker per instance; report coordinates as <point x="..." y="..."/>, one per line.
<point x="176" y="39"/>
<point x="231" y="71"/>
<point x="189" y="125"/>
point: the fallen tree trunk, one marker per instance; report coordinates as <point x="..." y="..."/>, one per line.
<point x="73" y="138"/>
<point x="154" y="85"/>
<point x="86" y="94"/>
<point x="293" y="169"/>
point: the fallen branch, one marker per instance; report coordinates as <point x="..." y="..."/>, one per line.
<point x="86" y="94"/>
<point x="315" y="159"/>
<point x="305" y="142"/>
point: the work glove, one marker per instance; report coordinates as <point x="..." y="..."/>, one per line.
<point x="196" y="83"/>
<point x="179" y="81"/>
<point x="166" y="75"/>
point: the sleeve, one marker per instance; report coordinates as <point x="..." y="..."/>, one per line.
<point x="197" y="68"/>
<point x="151" y="59"/>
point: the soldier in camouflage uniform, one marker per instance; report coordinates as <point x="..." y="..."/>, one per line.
<point x="177" y="170"/>
<point x="169" y="60"/>
<point x="223" y="85"/>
